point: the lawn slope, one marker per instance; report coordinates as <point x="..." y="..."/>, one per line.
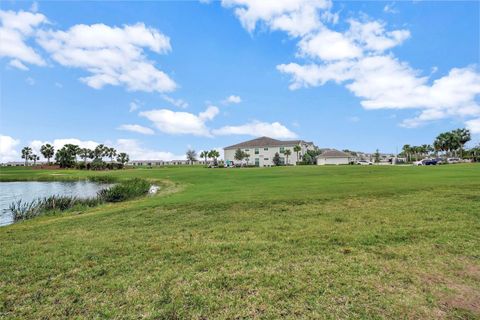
<point x="294" y="242"/>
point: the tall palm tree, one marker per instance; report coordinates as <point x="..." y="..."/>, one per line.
<point x="407" y="149"/>
<point x="26" y="153"/>
<point x="48" y="151"/>
<point x="123" y="158"/>
<point x="297" y="149"/>
<point x="463" y="136"/>
<point x="85" y="153"/>
<point x="288" y="152"/>
<point x="111" y="153"/>
<point x="191" y="156"/>
<point x="99" y="151"/>
<point x="34" y="158"/>
<point x="204" y="154"/>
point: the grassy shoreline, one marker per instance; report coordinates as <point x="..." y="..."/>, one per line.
<point x="304" y="242"/>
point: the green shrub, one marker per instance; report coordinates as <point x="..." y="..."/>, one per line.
<point x="98" y="164"/>
<point x="125" y="190"/>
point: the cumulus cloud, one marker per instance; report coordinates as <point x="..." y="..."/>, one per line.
<point x="257" y="129"/>
<point x="474" y="125"/>
<point x="172" y="122"/>
<point x="176" y="102"/>
<point x="297" y="17"/>
<point x="137" y="152"/>
<point x="8" y="150"/>
<point x="232" y="99"/>
<point x="136" y="128"/>
<point x="112" y="55"/>
<point x="358" y="57"/>
<point x="15" y="30"/>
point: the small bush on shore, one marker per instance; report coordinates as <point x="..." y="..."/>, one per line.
<point x="126" y="190"/>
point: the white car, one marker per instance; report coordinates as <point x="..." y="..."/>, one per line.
<point x="364" y="162"/>
<point x="453" y="160"/>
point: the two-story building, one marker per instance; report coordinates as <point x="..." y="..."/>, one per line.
<point x="263" y="149"/>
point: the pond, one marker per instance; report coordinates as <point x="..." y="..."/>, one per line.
<point x="31" y="190"/>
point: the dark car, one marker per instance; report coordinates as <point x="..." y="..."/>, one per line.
<point x="429" y="162"/>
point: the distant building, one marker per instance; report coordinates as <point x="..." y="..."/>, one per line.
<point x="333" y="156"/>
<point x="262" y="150"/>
<point x="156" y="163"/>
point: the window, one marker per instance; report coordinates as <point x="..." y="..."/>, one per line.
<point x="257" y="162"/>
<point x="265" y="149"/>
<point x="266" y="159"/>
<point x="247" y="150"/>
<point x="256" y="150"/>
<point x="282" y="160"/>
<point x="282" y="149"/>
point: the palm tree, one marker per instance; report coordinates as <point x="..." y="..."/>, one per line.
<point x="288" y="152"/>
<point x="204" y="154"/>
<point x="99" y="151"/>
<point x="34" y="158"/>
<point x="47" y="150"/>
<point x="463" y="136"/>
<point x="26" y="153"/>
<point x="123" y="158"/>
<point x="407" y="150"/>
<point x="84" y="154"/>
<point x="297" y="149"/>
<point x="214" y="154"/>
<point x="111" y="153"/>
<point x="191" y="156"/>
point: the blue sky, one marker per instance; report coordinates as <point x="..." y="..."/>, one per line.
<point x="156" y="78"/>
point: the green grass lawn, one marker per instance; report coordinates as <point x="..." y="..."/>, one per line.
<point x="370" y="242"/>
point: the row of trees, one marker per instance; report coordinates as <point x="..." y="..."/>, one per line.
<point x="451" y="143"/>
<point x="66" y="157"/>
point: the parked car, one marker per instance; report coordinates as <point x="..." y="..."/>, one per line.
<point x="426" y="162"/>
<point x="440" y="160"/>
<point x="364" y="162"/>
<point x="453" y="160"/>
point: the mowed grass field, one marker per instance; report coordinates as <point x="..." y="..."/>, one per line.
<point x="347" y="242"/>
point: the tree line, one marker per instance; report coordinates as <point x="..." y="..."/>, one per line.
<point x="67" y="156"/>
<point x="450" y="143"/>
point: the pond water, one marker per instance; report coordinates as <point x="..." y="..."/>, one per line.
<point x="31" y="190"/>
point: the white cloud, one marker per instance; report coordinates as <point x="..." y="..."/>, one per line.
<point x="172" y="122"/>
<point x="257" y="129"/>
<point x="8" y="150"/>
<point x="328" y="45"/>
<point x="176" y="102"/>
<point x="473" y="125"/>
<point x="18" y="64"/>
<point x="232" y="99"/>
<point x="134" y="105"/>
<point x="358" y="59"/>
<point x="30" y="81"/>
<point x="371" y="35"/>
<point x="390" y="8"/>
<point x="16" y="28"/>
<point x="137" y="152"/>
<point x="136" y="128"/>
<point x="112" y="55"/>
<point x="296" y="17"/>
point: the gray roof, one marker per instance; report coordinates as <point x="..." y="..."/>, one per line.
<point x="332" y="153"/>
<point x="266" y="142"/>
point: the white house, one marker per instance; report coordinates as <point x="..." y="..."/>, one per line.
<point x="333" y="156"/>
<point x="263" y="149"/>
